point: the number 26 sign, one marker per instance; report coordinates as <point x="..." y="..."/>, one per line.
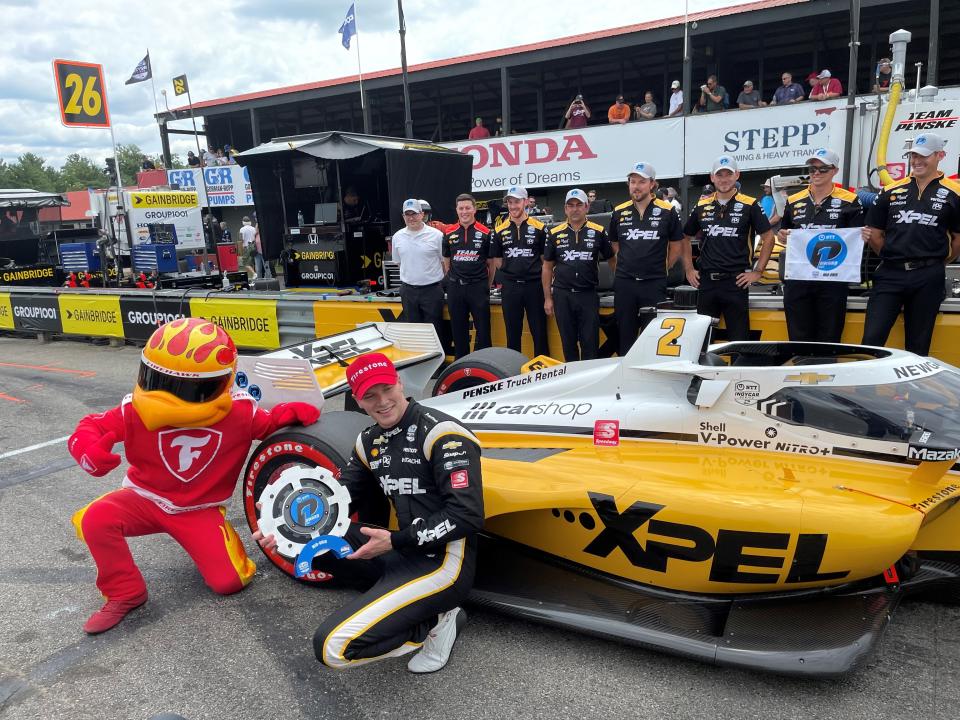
<point x="82" y="94"/>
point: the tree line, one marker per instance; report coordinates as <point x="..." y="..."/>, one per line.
<point x="78" y="172"/>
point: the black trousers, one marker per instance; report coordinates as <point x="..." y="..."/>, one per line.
<point x="517" y="297"/>
<point x="723" y="298"/>
<point x="404" y="593"/>
<point x="423" y="303"/>
<point x="816" y="311"/>
<point x="628" y="297"/>
<point x="917" y="292"/>
<point x="464" y="302"/>
<point x="578" y="320"/>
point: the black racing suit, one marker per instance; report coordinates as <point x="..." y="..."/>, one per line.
<point x="428" y="466"/>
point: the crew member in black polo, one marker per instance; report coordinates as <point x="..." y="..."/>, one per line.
<point x="729" y="220"/>
<point x="645" y="233"/>
<point x="914" y="227"/>
<point x="469" y="267"/>
<point x="570" y="277"/>
<point x="816" y="309"/>
<point x="517" y="246"/>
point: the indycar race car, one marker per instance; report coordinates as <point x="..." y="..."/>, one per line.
<point x="756" y="504"/>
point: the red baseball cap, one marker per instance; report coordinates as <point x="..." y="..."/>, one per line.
<point x="369" y="370"/>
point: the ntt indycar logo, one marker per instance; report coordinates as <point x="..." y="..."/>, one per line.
<point x="480" y="410"/>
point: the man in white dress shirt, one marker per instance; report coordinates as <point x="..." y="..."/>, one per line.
<point x="418" y="248"/>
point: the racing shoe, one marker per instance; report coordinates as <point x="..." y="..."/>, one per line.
<point x="436" y="648"/>
<point x="111" y="614"/>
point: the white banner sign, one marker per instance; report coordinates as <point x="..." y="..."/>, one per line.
<point x="227" y="185"/>
<point x="158" y="216"/>
<point x="912" y="119"/>
<point x="575" y="157"/>
<point x="770" y="137"/>
<point x="833" y="255"/>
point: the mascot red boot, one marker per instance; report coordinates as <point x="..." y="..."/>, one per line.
<point x="187" y="432"/>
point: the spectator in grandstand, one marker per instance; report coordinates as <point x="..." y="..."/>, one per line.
<point x="478" y="131"/>
<point x="813" y="80"/>
<point x="498" y="131"/>
<point x="713" y="97"/>
<point x="619" y="112"/>
<point x="748" y="97"/>
<point x="601" y="205"/>
<point x="829" y="87"/>
<point x="883" y="76"/>
<point x="676" y="99"/>
<point x="648" y="110"/>
<point x="788" y="92"/>
<point x="577" y="114"/>
<point x="672" y="199"/>
<point x="229" y="153"/>
<point x="192" y="160"/>
<point x="209" y="158"/>
<point x="532" y="208"/>
<point x="147" y="164"/>
<point x="221" y="159"/>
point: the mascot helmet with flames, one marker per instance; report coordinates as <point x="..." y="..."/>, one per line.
<point x="186" y="371"/>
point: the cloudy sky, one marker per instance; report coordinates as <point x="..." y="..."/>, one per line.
<point x="231" y="46"/>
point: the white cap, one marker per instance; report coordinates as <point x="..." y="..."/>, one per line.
<point x="926" y="144"/>
<point x="724" y="162"/>
<point x="643" y="169"/>
<point x="412" y="205"/>
<point x="824" y="74"/>
<point x="577" y="194"/>
<point x="675" y="84"/>
<point x="516" y="192"/>
<point x="748" y="82"/>
<point x="824" y="155"/>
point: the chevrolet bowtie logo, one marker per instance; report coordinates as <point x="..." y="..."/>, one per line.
<point x="808" y="378"/>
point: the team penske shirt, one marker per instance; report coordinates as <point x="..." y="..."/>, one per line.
<point x="183" y="469"/>
<point x="521" y="247"/>
<point x="917" y="226"/>
<point x="642" y="240"/>
<point x="840" y="209"/>
<point x="576" y="253"/>
<point x="468" y="249"/>
<point x="728" y="229"/>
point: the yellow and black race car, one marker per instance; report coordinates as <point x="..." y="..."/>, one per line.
<point x="763" y="505"/>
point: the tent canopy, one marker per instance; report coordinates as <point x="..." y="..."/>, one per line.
<point x="337" y="146"/>
<point x="23" y="198"/>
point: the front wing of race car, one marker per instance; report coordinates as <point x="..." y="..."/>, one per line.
<point x="816" y="633"/>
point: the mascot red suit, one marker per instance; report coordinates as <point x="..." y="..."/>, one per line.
<point x="187" y="432"/>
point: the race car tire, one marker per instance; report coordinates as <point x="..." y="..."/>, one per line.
<point x="478" y="368"/>
<point x="327" y="443"/>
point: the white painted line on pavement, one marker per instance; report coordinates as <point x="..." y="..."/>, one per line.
<point x="33" y="447"/>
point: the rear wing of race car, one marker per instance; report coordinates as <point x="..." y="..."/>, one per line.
<point x="315" y="370"/>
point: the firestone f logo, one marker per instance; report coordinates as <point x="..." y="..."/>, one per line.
<point x="187" y="453"/>
<point x="187" y="446"/>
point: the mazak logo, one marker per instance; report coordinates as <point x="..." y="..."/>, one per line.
<point x="187" y="453"/>
<point x="911" y="217"/>
<point x="534" y="151"/>
<point x="826" y="251"/>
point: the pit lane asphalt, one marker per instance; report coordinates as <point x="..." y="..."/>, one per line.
<point x="249" y="655"/>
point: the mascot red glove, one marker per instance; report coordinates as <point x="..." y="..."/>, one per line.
<point x="187" y="433"/>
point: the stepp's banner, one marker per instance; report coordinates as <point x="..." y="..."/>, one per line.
<point x="571" y="157"/>
<point x="830" y="255"/>
<point x="227" y="185"/>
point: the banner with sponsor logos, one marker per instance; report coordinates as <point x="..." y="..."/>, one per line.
<point x="6" y="312"/>
<point x="227" y="185"/>
<point x="912" y="119"/>
<point x="31" y="275"/>
<point x="166" y="217"/>
<point x="770" y="137"/>
<point x="251" y="323"/>
<point x="142" y="315"/>
<point x="831" y="255"/>
<point x="97" y="315"/>
<point x="36" y="312"/>
<point x="570" y="157"/>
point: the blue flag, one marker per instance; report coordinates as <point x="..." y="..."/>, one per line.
<point x="349" y="28"/>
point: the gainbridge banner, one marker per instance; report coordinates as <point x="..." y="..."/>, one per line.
<point x="6" y="312"/>
<point x="91" y="315"/>
<point x="251" y="323"/>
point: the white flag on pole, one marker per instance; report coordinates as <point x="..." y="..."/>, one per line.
<point x="825" y="254"/>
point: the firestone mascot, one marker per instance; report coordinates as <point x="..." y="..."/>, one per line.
<point x="187" y="434"/>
